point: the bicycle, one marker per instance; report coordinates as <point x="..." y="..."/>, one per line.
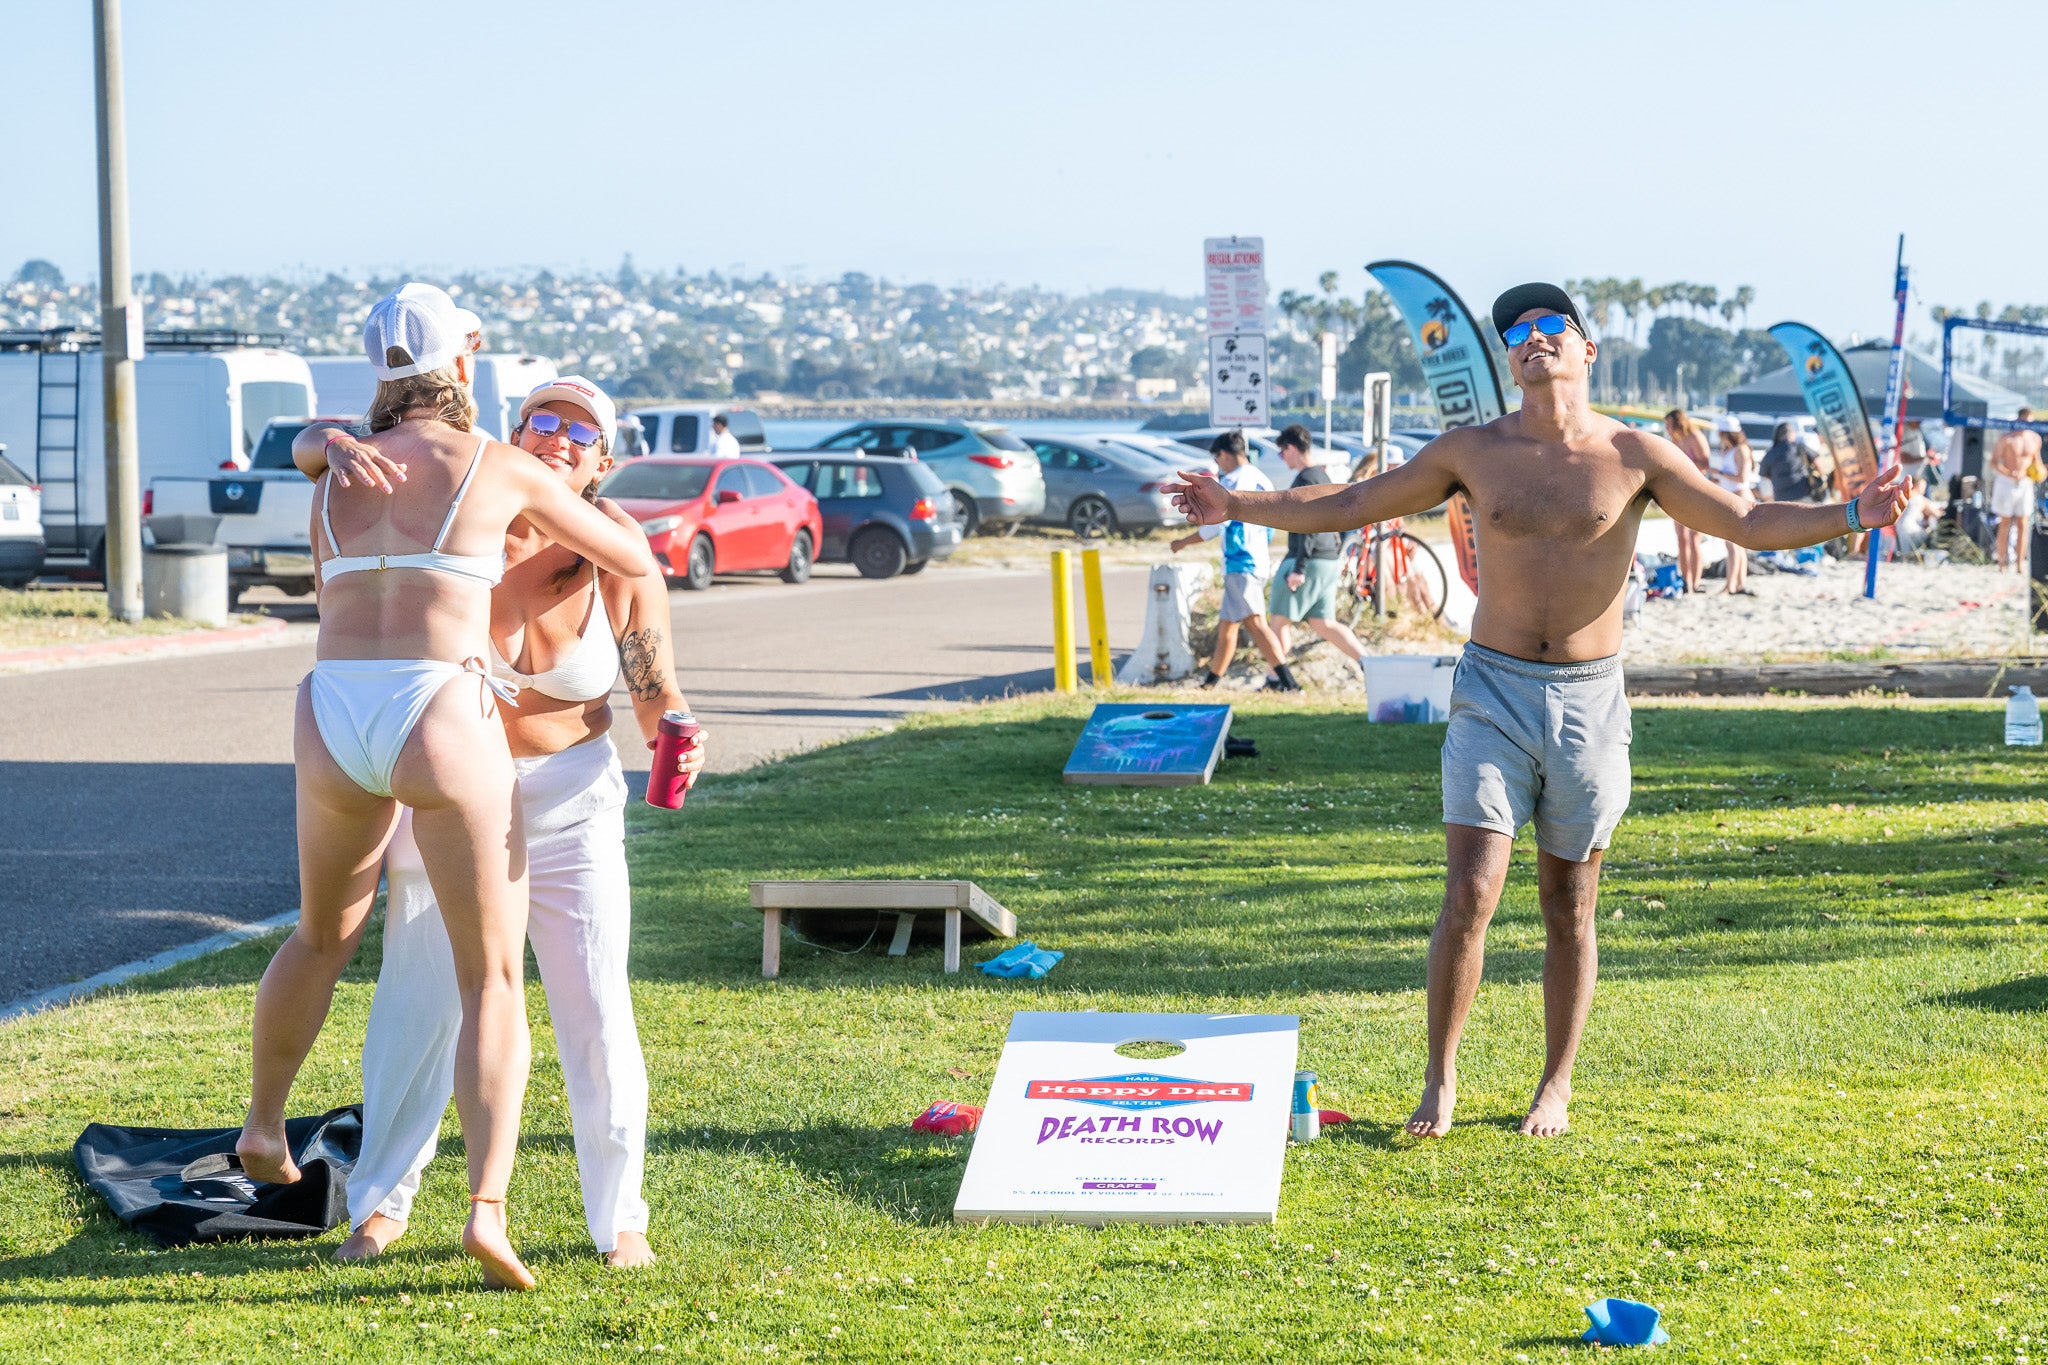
<point x="1385" y="565"/>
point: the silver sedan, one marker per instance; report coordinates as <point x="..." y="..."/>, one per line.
<point x="1097" y="486"/>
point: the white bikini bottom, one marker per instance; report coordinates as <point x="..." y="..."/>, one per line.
<point x="365" y="709"/>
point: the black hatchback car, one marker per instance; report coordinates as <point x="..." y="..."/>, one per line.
<point x="885" y="514"/>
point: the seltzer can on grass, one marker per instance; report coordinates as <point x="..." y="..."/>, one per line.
<point x="666" y="787"/>
<point x="1307" y="1118"/>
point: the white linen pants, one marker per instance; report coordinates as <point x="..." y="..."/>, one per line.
<point x="578" y="923"/>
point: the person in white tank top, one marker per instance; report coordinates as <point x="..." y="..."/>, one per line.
<point x="561" y="634"/>
<point x="1734" y="468"/>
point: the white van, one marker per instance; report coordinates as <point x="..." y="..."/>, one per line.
<point x="21" y="525"/>
<point x="197" y="409"/>
<point x="685" y="429"/>
<point x="346" y="383"/>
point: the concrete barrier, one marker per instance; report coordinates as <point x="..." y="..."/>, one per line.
<point x="1163" y="653"/>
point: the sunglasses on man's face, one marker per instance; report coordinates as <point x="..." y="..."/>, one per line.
<point x="1550" y="324"/>
<point x="581" y="434"/>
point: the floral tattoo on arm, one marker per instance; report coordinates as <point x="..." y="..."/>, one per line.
<point x="639" y="657"/>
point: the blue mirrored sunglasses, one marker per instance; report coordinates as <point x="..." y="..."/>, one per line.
<point x="1550" y="324"/>
<point x="547" y="424"/>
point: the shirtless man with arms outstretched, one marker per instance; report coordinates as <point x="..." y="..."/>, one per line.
<point x="1539" y="726"/>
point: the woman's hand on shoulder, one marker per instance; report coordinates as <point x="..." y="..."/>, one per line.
<point x="352" y="461"/>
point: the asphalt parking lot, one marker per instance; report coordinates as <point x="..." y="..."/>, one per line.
<point x="150" y="803"/>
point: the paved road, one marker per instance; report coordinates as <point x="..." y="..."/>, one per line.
<point x="149" y="804"/>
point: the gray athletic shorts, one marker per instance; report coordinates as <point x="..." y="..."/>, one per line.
<point x="1244" y="595"/>
<point x="1542" y="742"/>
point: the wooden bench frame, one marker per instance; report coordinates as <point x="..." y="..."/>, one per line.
<point x="907" y="899"/>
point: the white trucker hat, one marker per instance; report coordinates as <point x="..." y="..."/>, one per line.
<point x="574" y="388"/>
<point x="1727" y="422"/>
<point x="422" y="321"/>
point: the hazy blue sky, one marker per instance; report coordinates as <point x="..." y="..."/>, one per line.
<point x="1074" y="145"/>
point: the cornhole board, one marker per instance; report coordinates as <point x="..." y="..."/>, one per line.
<point x="1075" y="1132"/>
<point x="1128" y="744"/>
<point x="953" y="899"/>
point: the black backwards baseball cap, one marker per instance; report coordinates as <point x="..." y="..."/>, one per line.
<point x="1523" y="297"/>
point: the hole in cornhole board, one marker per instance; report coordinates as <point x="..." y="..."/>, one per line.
<point x="1151" y="1049"/>
<point x="1132" y="745"/>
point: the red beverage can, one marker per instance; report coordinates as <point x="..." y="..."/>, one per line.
<point x="666" y="786"/>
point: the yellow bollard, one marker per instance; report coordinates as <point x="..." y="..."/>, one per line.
<point x="1098" y="618"/>
<point x="1065" y="677"/>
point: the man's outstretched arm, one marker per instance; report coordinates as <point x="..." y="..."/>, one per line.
<point x="1416" y="486"/>
<point x="1694" y="500"/>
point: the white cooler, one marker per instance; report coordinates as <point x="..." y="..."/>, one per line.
<point x="1401" y="688"/>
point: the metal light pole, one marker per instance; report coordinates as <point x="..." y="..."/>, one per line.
<point x="120" y="325"/>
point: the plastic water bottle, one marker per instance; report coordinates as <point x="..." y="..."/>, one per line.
<point x="2023" y="717"/>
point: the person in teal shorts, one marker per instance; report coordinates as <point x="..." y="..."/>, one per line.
<point x="1305" y="589"/>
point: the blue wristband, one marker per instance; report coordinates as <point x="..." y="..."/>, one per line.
<point x="1855" y="522"/>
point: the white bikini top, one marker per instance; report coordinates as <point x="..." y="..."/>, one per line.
<point x="485" y="569"/>
<point x="585" y="673"/>
<point x="1723" y="467"/>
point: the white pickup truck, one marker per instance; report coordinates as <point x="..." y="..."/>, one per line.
<point x="265" y="510"/>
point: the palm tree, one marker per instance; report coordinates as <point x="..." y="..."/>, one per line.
<point x="1598" y="300"/>
<point x="1632" y="297"/>
<point x="1744" y="296"/>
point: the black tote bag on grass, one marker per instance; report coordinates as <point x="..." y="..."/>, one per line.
<point x="184" y="1185"/>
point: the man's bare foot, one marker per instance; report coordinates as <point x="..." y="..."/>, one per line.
<point x="1432" y="1117"/>
<point x="484" y="1238"/>
<point x="629" y="1252"/>
<point x="265" y="1155"/>
<point x="369" y="1240"/>
<point x="1547" y="1116"/>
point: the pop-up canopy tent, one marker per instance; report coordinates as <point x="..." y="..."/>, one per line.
<point x="1778" y="393"/>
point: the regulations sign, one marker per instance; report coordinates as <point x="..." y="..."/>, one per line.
<point x="1235" y="271"/>
<point x="1076" y="1131"/>
<point x="1237" y="379"/>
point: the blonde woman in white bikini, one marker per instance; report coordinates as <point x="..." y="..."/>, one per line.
<point x="397" y="710"/>
<point x="569" y="631"/>
<point x="1692" y="442"/>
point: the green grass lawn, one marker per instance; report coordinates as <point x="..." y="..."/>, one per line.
<point x="1809" y="1120"/>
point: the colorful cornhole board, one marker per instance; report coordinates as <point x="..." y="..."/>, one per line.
<point x="1132" y="745"/>
<point x="1076" y="1132"/>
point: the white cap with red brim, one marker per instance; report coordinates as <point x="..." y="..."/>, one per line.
<point x="574" y="388"/>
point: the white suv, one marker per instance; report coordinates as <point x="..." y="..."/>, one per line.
<point x="21" y="525"/>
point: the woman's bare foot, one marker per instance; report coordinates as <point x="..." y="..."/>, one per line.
<point x="369" y="1240"/>
<point x="265" y="1155"/>
<point x="1432" y="1117"/>
<point x="484" y="1238"/>
<point x="630" y="1251"/>
<point x="1547" y="1112"/>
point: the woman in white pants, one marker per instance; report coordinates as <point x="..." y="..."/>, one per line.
<point x="568" y="631"/>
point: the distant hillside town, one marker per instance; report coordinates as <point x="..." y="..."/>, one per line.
<point x="653" y="334"/>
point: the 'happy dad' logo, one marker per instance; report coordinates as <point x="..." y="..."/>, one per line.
<point x="1140" y="1091"/>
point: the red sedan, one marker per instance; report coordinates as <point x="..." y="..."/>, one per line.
<point x="708" y="516"/>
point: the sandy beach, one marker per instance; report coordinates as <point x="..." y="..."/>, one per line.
<point x="1920" y="612"/>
